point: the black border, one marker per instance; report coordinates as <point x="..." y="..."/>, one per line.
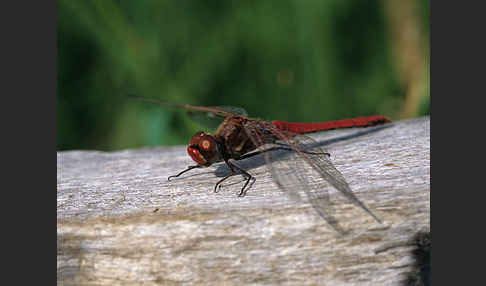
<point x="457" y="87"/>
<point x="29" y="137"/>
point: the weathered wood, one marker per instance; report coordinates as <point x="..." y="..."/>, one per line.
<point x="120" y="222"/>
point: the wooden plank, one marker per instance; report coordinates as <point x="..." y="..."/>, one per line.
<point x="120" y="222"/>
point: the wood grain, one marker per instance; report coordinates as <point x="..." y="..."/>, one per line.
<point x="120" y="222"/>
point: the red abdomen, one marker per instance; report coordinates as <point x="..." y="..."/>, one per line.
<point x="301" y="128"/>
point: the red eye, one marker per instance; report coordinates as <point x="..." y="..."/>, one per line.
<point x="203" y="149"/>
<point x="196" y="155"/>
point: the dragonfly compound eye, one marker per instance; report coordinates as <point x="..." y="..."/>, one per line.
<point x="196" y="155"/>
<point x="203" y="149"/>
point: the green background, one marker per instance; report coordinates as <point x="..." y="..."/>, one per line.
<point x="301" y="61"/>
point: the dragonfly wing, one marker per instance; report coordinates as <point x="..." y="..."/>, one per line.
<point x="209" y="116"/>
<point x="281" y="172"/>
<point x="233" y="110"/>
<point x="211" y="119"/>
<point x="291" y="174"/>
<point x="324" y="167"/>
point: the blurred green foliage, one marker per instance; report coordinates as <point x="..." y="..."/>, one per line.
<point x="289" y="60"/>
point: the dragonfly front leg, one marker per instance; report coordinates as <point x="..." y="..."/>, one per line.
<point x="234" y="171"/>
<point x="188" y="169"/>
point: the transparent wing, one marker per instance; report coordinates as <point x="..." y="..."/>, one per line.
<point x="211" y="119"/>
<point x="306" y="147"/>
<point x="233" y="110"/>
<point x="291" y="173"/>
<point x="221" y="111"/>
<point x="209" y="116"/>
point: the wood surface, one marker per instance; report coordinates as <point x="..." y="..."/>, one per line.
<point x="120" y="222"/>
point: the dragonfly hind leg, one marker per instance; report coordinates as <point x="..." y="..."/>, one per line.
<point x="284" y="146"/>
<point x="235" y="170"/>
<point x="281" y="146"/>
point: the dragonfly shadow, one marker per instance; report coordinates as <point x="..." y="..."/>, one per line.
<point x="354" y="135"/>
<point x="279" y="154"/>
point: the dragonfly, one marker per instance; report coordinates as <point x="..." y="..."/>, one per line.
<point x="296" y="162"/>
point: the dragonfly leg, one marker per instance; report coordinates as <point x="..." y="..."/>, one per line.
<point x="286" y="147"/>
<point x="234" y="171"/>
<point x="282" y="147"/>
<point x="188" y="169"/>
<point x="218" y="184"/>
<point x="250" y="178"/>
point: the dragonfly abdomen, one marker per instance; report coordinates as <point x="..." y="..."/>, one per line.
<point x="301" y="128"/>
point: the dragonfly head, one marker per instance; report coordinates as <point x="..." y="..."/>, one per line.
<point x="203" y="149"/>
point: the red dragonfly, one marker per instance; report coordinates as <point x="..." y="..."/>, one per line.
<point x="239" y="137"/>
